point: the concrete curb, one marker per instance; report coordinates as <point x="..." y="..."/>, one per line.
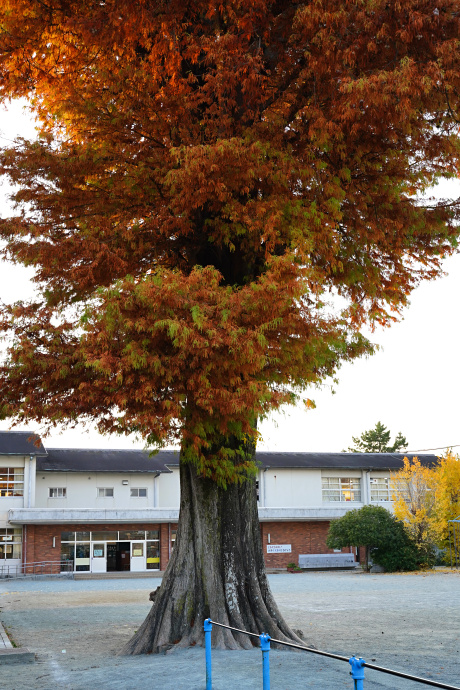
<point x="119" y="575"/>
<point x="10" y="654"/>
<point x="4" y="639"/>
<point x="16" y="655"/>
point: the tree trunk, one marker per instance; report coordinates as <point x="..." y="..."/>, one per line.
<point x="216" y="571"/>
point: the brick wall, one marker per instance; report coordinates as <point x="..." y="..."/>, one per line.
<point x="165" y="536"/>
<point x="39" y="546"/>
<point x="304" y="538"/>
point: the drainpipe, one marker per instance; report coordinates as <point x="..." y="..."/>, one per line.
<point x="29" y="489"/>
<point x="155" y="490"/>
<point x="264" y="487"/>
<point x="366" y="493"/>
<point x="169" y="541"/>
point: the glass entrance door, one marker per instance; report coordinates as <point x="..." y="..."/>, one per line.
<point x="98" y="563"/>
<point x="111" y="558"/>
<point x="137" y="556"/>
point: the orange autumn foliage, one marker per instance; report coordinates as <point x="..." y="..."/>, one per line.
<point x="206" y="175"/>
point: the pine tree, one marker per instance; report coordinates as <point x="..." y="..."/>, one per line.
<point x="377" y="440"/>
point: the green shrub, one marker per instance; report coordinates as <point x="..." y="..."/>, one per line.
<point x="383" y="536"/>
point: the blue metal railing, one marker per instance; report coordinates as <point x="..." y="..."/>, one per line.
<point x="357" y="664"/>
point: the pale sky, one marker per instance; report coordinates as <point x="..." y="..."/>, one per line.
<point x="411" y="385"/>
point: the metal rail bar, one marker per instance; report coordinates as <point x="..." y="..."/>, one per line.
<point x="382" y="669"/>
<point x="229" y="627"/>
<point x="35" y="568"/>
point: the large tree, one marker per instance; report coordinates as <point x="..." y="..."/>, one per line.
<point x="206" y="175"/>
<point x="425" y="499"/>
<point x="419" y="502"/>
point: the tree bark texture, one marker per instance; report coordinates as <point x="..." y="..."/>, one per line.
<point x="216" y="571"/>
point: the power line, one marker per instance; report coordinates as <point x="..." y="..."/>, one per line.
<point x="423" y="450"/>
<point x="12" y="141"/>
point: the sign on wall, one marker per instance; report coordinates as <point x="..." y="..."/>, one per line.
<point x="278" y="548"/>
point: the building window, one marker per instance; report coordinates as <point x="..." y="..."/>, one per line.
<point x="82" y="557"/>
<point x="105" y="492"/>
<point x="131" y="535"/>
<point x="139" y="493"/>
<point x="380" y="489"/>
<point x="137" y="549"/>
<point x="67" y="557"/>
<point x="153" y="549"/>
<point x="10" y="543"/>
<point x="11" y="481"/>
<point x="341" y="489"/>
<point x="57" y="492"/>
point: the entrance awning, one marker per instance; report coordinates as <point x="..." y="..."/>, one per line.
<point x="43" y="516"/>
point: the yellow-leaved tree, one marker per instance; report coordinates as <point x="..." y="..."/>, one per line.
<point x="418" y="502"/>
<point x="448" y="493"/>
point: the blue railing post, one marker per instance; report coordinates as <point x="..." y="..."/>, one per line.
<point x="207" y="644"/>
<point x="265" y="647"/>
<point x="357" y="672"/>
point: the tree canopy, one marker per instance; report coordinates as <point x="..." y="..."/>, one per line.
<point x="448" y="480"/>
<point x="221" y="195"/>
<point x="206" y="174"/>
<point x="377" y="440"/>
<point x="416" y="502"/>
<point x="426" y="498"/>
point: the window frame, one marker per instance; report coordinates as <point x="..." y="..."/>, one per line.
<point x="11" y="482"/>
<point x="384" y="488"/>
<point x="102" y="492"/>
<point x="138" y="494"/>
<point x="341" y="486"/>
<point x="11" y="537"/>
<point x="62" y="489"/>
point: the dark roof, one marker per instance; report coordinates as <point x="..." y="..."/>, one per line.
<point x="20" y="443"/>
<point x="330" y="461"/>
<point x="95" y="460"/>
<point x="349" y="461"/>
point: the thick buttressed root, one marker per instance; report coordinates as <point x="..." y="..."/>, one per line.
<point x="216" y="571"/>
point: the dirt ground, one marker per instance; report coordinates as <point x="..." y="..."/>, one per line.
<point x="408" y="622"/>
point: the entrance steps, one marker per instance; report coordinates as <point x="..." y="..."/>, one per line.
<point x="118" y="575"/>
<point x="126" y="575"/>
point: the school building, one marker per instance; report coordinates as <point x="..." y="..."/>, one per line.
<point x="113" y="510"/>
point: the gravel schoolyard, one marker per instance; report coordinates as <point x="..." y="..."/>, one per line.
<point x="409" y="622"/>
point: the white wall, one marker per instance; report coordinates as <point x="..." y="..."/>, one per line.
<point x="169" y="489"/>
<point x="288" y="488"/>
<point x="82" y="490"/>
<point x="292" y="488"/>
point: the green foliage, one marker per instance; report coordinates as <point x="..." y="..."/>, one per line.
<point x="384" y="537"/>
<point x="377" y="441"/>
